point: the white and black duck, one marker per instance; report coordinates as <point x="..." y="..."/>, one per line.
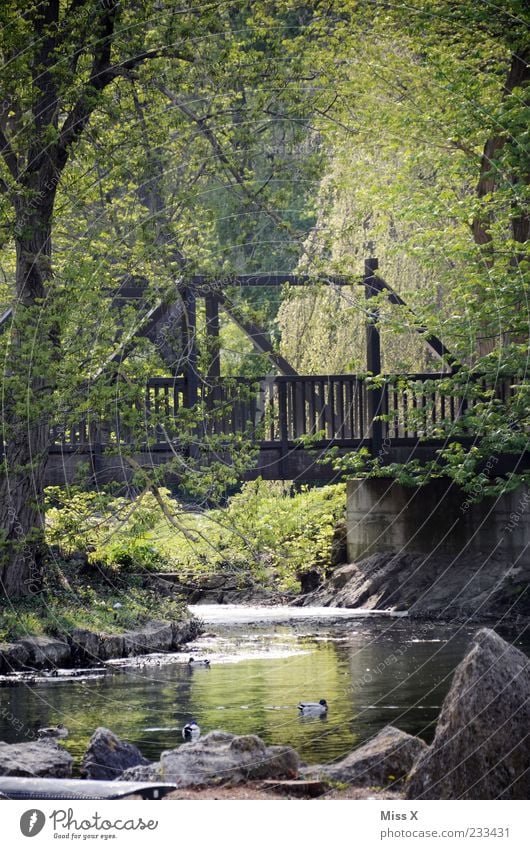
<point x="192" y="663"/>
<point x="57" y="732"/>
<point x="191" y="731"/>
<point x="313" y="708"/>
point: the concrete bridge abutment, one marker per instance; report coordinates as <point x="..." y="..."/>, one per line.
<point x="436" y="519"/>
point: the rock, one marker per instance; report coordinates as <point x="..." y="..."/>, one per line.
<point x="481" y="747"/>
<point x="185" y="631"/>
<point x="107" y="756"/>
<point x="45" y="651"/>
<point x="156" y="636"/>
<point x="310" y="580"/>
<point x="41" y="759"/>
<point x="411" y="581"/>
<point x="217" y="758"/>
<point x="13" y="656"/>
<point x="111" y="646"/>
<point x="84" y="645"/>
<point x="381" y="762"/>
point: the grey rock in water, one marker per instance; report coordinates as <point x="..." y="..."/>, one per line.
<point x="107" y="756"/>
<point x="219" y="758"/>
<point x="40" y="759"/>
<point x="382" y="761"/>
<point x="481" y="747"/>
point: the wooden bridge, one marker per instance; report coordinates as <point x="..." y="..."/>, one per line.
<point x="291" y="421"/>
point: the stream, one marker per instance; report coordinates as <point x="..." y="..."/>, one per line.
<point x="373" y="669"/>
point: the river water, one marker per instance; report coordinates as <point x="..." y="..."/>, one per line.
<point x="372" y="670"/>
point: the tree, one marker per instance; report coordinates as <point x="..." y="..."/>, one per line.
<point x="73" y="76"/>
<point x="58" y="62"/>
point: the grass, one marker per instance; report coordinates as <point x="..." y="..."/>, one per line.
<point x="85" y="598"/>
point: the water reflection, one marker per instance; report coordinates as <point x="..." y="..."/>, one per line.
<point x="372" y="671"/>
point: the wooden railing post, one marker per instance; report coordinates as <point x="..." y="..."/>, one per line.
<point x="95" y="440"/>
<point x="189" y="327"/>
<point x="190" y="346"/>
<point x="373" y="356"/>
<point x="284" y="425"/>
<point x="212" y="332"/>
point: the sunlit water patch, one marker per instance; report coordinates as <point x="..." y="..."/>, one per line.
<point x="372" y="670"/>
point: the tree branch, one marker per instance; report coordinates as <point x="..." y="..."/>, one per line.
<point x="221" y="155"/>
<point x="518" y="74"/>
<point x="103" y="74"/>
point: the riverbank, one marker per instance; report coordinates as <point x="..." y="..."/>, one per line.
<point x="92" y="615"/>
<point x="430" y="587"/>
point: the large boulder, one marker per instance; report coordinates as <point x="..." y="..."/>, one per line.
<point x="39" y="759"/>
<point x="407" y="580"/>
<point x="107" y="756"/>
<point x="217" y="758"/>
<point x="381" y="762"/>
<point x="481" y="747"/>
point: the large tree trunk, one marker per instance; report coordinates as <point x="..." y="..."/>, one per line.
<point x="26" y="411"/>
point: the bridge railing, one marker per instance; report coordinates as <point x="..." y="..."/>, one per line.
<point x="425" y="406"/>
<point x="278" y="411"/>
<point x="286" y="409"/>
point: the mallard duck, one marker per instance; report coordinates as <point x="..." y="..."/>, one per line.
<point x="191" y="731"/>
<point x="193" y="662"/>
<point x="315" y="708"/>
<point x="59" y="732"/>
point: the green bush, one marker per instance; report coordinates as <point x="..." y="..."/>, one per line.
<point x="266" y="530"/>
<point x="133" y="556"/>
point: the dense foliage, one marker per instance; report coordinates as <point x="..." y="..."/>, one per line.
<point x="266" y="533"/>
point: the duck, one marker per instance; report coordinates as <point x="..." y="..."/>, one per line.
<point x="193" y="662"/>
<point x="58" y="732"/>
<point x="191" y="731"/>
<point x="313" y="708"/>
